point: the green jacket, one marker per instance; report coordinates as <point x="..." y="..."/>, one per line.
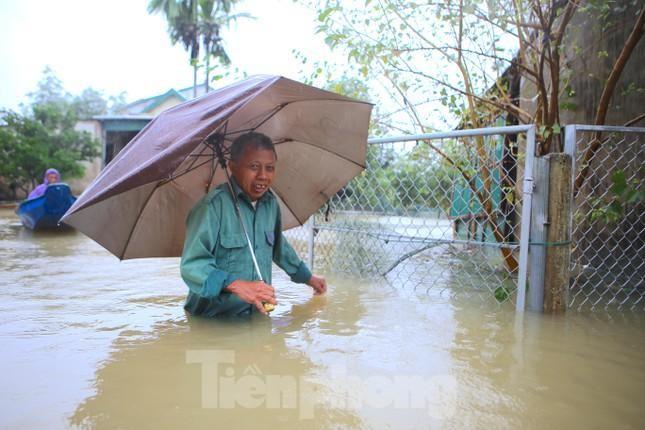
<point x="216" y="252"/>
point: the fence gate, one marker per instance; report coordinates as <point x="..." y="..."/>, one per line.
<point x="608" y="231"/>
<point x="437" y="211"/>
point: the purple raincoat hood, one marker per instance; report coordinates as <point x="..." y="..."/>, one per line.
<point x="40" y="189"/>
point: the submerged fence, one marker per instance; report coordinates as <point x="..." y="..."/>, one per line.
<point x="449" y="213"/>
<point x="608" y="229"/>
<point x="437" y="212"/>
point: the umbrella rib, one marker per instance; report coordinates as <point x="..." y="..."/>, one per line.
<point x="199" y="154"/>
<point x="287" y="205"/>
<point x="185" y="172"/>
<point x="269" y="115"/>
<point x="192" y="165"/>
<point x="272" y="114"/>
<point x="136" y="222"/>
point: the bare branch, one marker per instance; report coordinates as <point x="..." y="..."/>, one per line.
<point x="522" y="115"/>
<point x="635" y="120"/>
<point x="603" y="105"/>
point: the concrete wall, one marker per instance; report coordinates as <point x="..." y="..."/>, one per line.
<point x="592" y="46"/>
<point x="92" y="168"/>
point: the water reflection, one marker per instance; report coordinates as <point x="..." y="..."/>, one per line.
<point x="163" y="383"/>
<point x="547" y="371"/>
<point x="165" y="390"/>
<point x="91" y="342"/>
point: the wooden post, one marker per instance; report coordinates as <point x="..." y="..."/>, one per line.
<point x="558" y="252"/>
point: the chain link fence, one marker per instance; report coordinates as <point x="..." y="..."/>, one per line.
<point x="440" y="213"/>
<point x="435" y="212"/>
<point x="608" y="231"/>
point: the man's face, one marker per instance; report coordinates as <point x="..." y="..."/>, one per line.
<point x="52" y="178"/>
<point x="254" y="171"/>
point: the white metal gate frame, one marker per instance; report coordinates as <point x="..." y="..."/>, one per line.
<point x="527" y="191"/>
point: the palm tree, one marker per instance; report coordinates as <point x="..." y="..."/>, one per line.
<point x="212" y="16"/>
<point x="196" y="24"/>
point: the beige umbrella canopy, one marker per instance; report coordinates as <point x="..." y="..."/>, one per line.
<point x="138" y="205"/>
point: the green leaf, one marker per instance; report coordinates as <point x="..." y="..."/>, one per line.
<point x="502" y="294"/>
<point x="325" y="13"/>
<point x="633" y="196"/>
<point x="619" y="182"/>
<point x="615" y="211"/>
<point x="543" y="131"/>
<point x="568" y="106"/>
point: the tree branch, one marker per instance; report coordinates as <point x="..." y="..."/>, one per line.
<point x="607" y="92"/>
<point x="522" y="115"/>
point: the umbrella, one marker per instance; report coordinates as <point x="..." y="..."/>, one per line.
<point x="138" y="205"/>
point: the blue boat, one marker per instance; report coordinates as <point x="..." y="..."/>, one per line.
<point x="44" y="212"/>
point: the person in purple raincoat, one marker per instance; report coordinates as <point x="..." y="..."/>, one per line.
<point x="51" y="177"/>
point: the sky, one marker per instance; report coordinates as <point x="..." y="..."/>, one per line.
<point x="115" y="46"/>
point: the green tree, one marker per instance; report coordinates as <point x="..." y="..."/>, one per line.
<point x="117" y="103"/>
<point x="44" y="135"/>
<point x="469" y="56"/>
<point x="49" y="90"/>
<point x="372" y="190"/>
<point x="466" y="54"/>
<point x="197" y="24"/>
<point x="29" y="144"/>
<point x="213" y="15"/>
<point x="89" y="103"/>
<point x="421" y="179"/>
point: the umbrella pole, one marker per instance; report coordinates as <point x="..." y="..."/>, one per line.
<point x="222" y="162"/>
<point x="246" y="234"/>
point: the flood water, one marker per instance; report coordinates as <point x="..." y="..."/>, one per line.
<point x="91" y="342"/>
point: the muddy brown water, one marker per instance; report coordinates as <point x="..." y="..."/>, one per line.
<point x="91" y="342"/>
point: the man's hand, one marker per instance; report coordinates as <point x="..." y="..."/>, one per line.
<point x="253" y="292"/>
<point x="318" y="283"/>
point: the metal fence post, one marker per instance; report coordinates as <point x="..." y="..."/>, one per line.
<point x="570" y="148"/>
<point x="310" y="242"/>
<point x="539" y="221"/>
<point x="526" y="219"/>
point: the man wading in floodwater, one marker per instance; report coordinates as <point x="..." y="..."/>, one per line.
<point x="216" y="262"/>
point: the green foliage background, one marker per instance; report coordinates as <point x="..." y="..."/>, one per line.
<point x="44" y="135"/>
<point x="404" y="182"/>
